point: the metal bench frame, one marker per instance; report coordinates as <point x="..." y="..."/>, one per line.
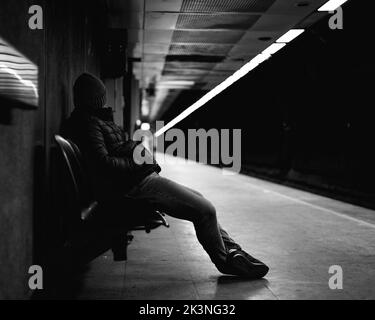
<point x="88" y="235"/>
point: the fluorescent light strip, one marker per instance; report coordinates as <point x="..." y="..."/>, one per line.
<point x="272" y="49"/>
<point x="260" y="58"/>
<point x="178" y="82"/>
<point x="290" y="35"/>
<point x="332" y="5"/>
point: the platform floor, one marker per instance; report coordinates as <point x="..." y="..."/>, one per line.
<point x="298" y="234"/>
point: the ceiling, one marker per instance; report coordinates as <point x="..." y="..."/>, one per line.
<point x="196" y="44"/>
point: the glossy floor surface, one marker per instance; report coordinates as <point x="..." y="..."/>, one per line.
<point x="298" y="234"/>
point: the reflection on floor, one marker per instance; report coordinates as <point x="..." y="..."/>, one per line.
<point x="298" y="234"/>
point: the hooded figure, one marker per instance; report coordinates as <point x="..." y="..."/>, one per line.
<point x="106" y="149"/>
<point x="109" y="157"/>
<point x="89" y="92"/>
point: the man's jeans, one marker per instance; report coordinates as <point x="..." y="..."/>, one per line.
<point x="184" y="203"/>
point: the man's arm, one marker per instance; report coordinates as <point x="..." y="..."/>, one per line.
<point x="98" y="153"/>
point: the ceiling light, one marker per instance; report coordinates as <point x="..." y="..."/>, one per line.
<point x="290" y="35"/>
<point x="273" y="48"/>
<point x="215" y="91"/>
<point x="178" y="83"/>
<point x="145" y="108"/>
<point x="260" y="58"/>
<point x="145" y="126"/>
<point x="332" y="5"/>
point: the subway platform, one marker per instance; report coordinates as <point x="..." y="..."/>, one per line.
<point x="298" y="234"/>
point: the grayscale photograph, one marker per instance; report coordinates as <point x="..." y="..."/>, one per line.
<point x="187" y="155"/>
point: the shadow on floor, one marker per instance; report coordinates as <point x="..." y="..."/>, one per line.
<point x="242" y="289"/>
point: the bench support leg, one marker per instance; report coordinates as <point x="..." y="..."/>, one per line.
<point x="120" y="248"/>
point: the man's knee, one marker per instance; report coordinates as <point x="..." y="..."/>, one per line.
<point x="208" y="211"/>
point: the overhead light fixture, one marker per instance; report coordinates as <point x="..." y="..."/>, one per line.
<point x="260" y="58"/>
<point x="215" y="91"/>
<point x="290" y="35"/>
<point x="273" y="48"/>
<point x="177" y="83"/>
<point x="332" y="5"/>
<point x="145" y="126"/>
<point x="145" y="108"/>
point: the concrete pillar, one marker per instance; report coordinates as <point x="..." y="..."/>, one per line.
<point x="132" y="95"/>
<point x="115" y="99"/>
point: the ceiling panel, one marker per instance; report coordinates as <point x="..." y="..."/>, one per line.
<point x="149" y="48"/>
<point x="199" y="49"/>
<point x="207" y="36"/>
<point x="215" y="79"/>
<point x="150" y="65"/>
<point x="216" y="21"/>
<point x="226" y="6"/>
<point x="164" y="5"/>
<point x="183" y="72"/>
<point x="155" y="48"/>
<point x="219" y="74"/>
<point x="190" y="65"/>
<point x="203" y="41"/>
<point x="158" y="36"/>
<point x="161" y="20"/>
<point x="247" y="50"/>
<point x="229" y="65"/>
<point x="194" y="58"/>
<point x="209" y="86"/>
<point x="288" y="7"/>
<point x="153" y="57"/>
<point x="189" y="77"/>
<point x="310" y="20"/>
<point x="275" y="22"/>
<point x="261" y="36"/>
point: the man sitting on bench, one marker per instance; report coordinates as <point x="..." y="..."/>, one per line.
<point x="108" y="154"/>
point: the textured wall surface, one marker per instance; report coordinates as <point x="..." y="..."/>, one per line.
<point x="65" y="47"/>
<point x="19" y="132"/>
<point x="115" y="99"/>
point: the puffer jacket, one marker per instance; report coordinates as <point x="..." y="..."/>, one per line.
<point x="107" y="152"/>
